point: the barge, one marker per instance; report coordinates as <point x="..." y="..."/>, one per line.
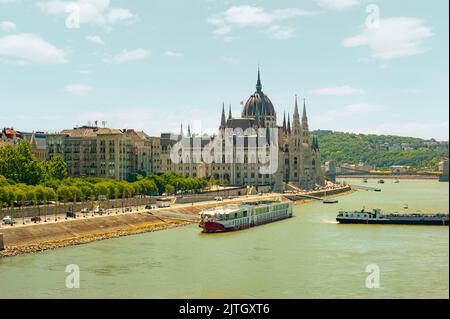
<point x="246" y="215"/>
<point x="377" y="217"/>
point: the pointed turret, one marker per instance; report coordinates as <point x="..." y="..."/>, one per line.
<point x="305" y="127"/>
<point x="229" y="113"/>
<point x="304" y="117"/>
<point x="189" y="130"/>
<point x="284" y="123"/>
<point x="289" y="124"/>
<point x="222" y="119"/>
<point x="181" y="130"/>
<point x="296" y="117"/>
<point x="296" y="114"/>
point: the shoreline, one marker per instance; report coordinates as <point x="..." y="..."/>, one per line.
<point x="381" y="176"/>
<point x="42" y="237"/>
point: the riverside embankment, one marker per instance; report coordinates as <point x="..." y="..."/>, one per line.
<point x="39" y="237"/>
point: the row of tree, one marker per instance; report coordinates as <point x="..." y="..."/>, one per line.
<point x="81" y="189"/>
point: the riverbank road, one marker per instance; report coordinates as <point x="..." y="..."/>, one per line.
<point x="175" y="211"/>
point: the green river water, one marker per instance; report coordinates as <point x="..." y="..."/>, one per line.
<point x="308" y="256"/>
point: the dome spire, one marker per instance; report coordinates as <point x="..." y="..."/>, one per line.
<point x="258" y="83"/>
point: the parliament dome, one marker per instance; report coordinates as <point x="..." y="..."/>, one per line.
<point x="258" y="104"/>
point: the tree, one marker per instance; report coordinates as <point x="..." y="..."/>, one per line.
<point x="31" y="172"/>
<point x="3" y="181"/>
<point x="64" y="194"/>
<point x="170" y="189"/>
<point x="49" y="194"/>
<point x="20" y="165"/>
<point x="21" y="197"/>
<point x="56" y="168"/>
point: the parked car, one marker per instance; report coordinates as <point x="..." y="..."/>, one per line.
<point x="85" y="211"/>
<point x="35" y="219"/>
<point x="70" y="214"/>
<point x="148" y="206"/>
<point x="100" y="211"/>
<point x="7" y="220"/>
<point x="218" y="198"/>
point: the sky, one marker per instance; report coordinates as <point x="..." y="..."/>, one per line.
<point x="376" y="67"/>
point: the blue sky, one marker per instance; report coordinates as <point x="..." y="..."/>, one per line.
<point x="151" y="65"/>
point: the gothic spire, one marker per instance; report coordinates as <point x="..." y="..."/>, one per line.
<point x="304" y="117"/>
<point x="181" y="130"/>
<point x="229" y="113"/>
<point x="222" y="120"/>
<point x="296" y="114"/>
<point x="258" y="83"/>
<point x="289" y="124"/>
<point x="284" y="122"/>
<point x="189" y="130"/>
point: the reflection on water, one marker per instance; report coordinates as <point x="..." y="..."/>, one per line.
<point x="309" y="256"/>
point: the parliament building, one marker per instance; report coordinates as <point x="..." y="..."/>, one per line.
<point x="298" y="153"/>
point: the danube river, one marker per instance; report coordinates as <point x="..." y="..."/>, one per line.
<point x="309" y="256"/>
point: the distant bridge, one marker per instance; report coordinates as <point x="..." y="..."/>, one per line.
<point x="344" y="171"/>
<point x="348" y="170"/>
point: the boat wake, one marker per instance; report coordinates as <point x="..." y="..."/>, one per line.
<point x="330" y="222"/>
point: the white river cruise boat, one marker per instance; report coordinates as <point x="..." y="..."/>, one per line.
<point x="246" y="215"/>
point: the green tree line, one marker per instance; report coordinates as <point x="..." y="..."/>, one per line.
<point x="354" y="148"/>
<point x="23" y="180"/>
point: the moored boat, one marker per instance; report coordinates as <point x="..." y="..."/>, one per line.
<point x="377" y="217"/>
<point x="246" y="215"/>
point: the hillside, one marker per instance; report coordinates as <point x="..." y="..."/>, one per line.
<point x="380" y="150"/>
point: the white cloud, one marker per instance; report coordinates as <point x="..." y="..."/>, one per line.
<point x="349" y="113"/>
<point x="120" y="14"/>
<point x="95" y="39"/>
<point x="91" y="12"/>
<point x="254" y="16"/>
<point x="338" y="90"/>
<point x="126" y="56"/>
<point x="337" y="5"/>
<point x="281" y="33"/>
<point x="7" y="26"/>
<point x="438" y="130"/>
<point x="85" y="72"/>
<point x="250" y="16"/>
<point x="231" y="60"/>
<point x="27" y="48"/>
<point x="394" y="38"/>
<point x="173" y="54"/>
<point x="78" y="89"/>
<point x="362" y="108"/>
